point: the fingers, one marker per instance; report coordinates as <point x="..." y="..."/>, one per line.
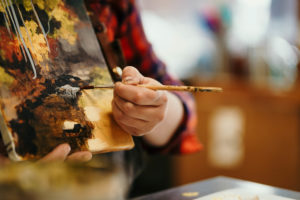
<point x="82" y="156"/>
<point x="138" y="110"/>
<point x="136" y="126"/>
<point x="140" y="95"/>
<point x="145" y="113"/>
<point x="60" y="153"/>
<point x="132" y="130"/>
<point x="132" y="76"/>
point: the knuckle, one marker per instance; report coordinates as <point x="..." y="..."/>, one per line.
<point x="138" y="98"/>
<point x="128" y="107"/>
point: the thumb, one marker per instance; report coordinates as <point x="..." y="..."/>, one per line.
<point x="132" y="76"/>
<point x="60" y="153"/>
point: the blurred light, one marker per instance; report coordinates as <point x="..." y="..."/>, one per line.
<point x="282" y="59"/>
<point x="250" y="21"/>
<point x="226" y="147"/>
<point x="284" y="20"/>
<point x="177" y="42"/>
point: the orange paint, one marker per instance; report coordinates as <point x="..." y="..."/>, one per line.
<point x="10" y="47"/>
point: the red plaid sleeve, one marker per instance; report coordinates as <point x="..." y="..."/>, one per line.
<point x="138" y="52"/>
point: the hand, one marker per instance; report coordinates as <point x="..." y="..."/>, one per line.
<point x="138" y="110"/>
<point x="61" y="153"/>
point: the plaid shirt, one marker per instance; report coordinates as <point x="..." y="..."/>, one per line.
<point x="122" y="21"/>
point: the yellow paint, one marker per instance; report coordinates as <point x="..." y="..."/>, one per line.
<point x="5" y="78"/>
<point x="1" y="8"/>
<point x="67" y="30"/>
<point x="40" y="4"/>
<point x="38" y="41"/>
<point x="47" y="5"/>
<point x="37" y="46"/>
<point x="27" y="5"/>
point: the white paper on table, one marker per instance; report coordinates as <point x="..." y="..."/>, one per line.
<point x="241" y="194"/>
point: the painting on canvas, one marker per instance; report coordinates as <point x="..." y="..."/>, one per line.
<point x="47" y="46"/>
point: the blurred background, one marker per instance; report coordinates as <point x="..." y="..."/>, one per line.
<point x="250" y="48"/>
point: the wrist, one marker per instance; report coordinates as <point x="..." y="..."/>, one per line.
<point x="164" y="130"/>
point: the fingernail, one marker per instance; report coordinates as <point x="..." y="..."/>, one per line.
<point x="66" y="148"/>
<point x="86" y="157"/>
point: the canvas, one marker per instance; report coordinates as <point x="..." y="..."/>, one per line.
<point x="47" y="46"/>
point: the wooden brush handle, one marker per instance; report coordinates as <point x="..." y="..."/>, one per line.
<point x="182" y="88"/>
<point x="162" y="87"/>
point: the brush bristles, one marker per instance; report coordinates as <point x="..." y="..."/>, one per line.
<point x="68" y="92"/>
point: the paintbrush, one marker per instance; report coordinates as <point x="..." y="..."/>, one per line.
<point x="118" y="72"/>
<point x="160" y="87"/>
<point x="70" y="93"/>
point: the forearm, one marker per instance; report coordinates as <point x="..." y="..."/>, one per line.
<point x="163" y="132"/>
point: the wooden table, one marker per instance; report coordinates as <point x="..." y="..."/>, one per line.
<point x="217" y="184"/>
